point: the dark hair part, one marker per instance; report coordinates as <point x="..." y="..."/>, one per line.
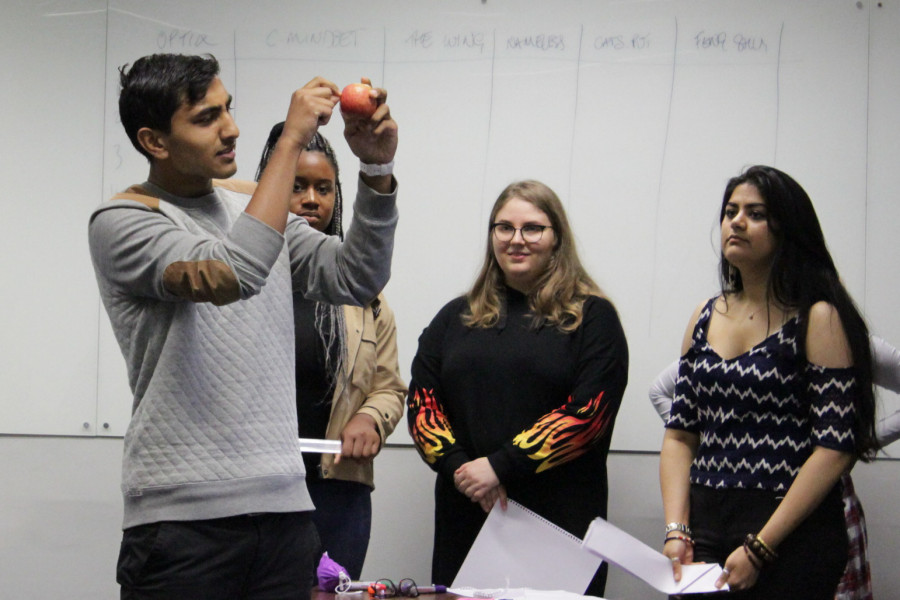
<point x="156" y="85"/>
<point x="317" y="144"/>
<point x="559" y="293"/>
<point x="804" y="273"/>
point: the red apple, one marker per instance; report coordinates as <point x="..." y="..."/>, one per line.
<point x="355" y="100"/>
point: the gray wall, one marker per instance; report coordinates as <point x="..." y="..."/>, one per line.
<point x="60" y="513"/>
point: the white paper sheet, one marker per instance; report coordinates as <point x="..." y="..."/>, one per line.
<point x="518" y="594"/>
<point x="517" y="548"/>
<point x="628" y="553"/>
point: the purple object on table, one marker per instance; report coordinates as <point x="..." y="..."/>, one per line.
<point x="329" y="573"/>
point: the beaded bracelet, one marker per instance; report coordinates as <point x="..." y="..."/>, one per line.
<point x="682" y="538"/>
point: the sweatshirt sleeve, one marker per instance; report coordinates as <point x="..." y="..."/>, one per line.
<point x="428" y="424"/>
<point x="139" y="249"/>
<point x="886" y="361"/>
<point x="886" y="364"/>
<point x="353" y="271"/>
<point x="588" y="415"/>
<point x="662" y="391"/>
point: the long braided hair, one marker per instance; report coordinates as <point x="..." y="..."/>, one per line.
<point x="329" y="318"/>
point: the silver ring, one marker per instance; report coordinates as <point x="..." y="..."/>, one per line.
<point x="675" y="559"/>
<point x="725" y="570"/>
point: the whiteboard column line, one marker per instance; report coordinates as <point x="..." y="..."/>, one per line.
<point x="575" y="114"/>
<point x="383" y="55"/>
<point x="487" y="147"/>
<point x="865" y="249"/>
<point x="662" y="166"/>
<point x="101" y="312"/>
<point x="236" y="91"/>
<point x="778" y="93"/>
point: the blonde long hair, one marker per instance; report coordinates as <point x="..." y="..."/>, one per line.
<point x="558" y="296"/>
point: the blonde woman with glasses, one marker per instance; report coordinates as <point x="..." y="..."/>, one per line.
<point x="516" y="385"/>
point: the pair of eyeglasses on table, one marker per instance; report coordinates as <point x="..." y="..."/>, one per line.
<point x="385" y="588"/>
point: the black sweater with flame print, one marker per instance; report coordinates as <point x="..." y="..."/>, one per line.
<point x="530" y="399"/>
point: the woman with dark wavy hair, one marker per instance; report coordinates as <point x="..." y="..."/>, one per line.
<point x="773" y="403"/>
<point x="516" y="385"/>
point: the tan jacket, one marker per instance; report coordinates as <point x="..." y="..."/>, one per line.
<point x="374" y="386"/>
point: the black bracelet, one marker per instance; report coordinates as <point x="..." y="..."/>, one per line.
<point x="757" y="564"/>
<point x="759" y="548"/>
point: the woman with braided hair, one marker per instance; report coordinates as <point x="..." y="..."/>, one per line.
<point x="346" y="357"/>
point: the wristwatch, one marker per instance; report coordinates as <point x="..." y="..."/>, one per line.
<point x="376" y="170"/>
<point x="670" y="527"/>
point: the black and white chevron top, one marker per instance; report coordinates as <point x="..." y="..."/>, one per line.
<point x="760" y="414"/>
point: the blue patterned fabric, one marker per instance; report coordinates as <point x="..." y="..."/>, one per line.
<point x="759" y="415"/>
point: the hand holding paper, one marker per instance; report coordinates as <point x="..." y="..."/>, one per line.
<point x="626" y="552"/>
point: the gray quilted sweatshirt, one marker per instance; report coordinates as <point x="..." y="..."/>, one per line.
<point x="199" y="295"/>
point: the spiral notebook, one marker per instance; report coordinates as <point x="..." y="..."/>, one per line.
<point x="518" y="548"/>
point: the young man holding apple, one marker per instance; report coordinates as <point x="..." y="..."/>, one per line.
<point x="196" y="274"/>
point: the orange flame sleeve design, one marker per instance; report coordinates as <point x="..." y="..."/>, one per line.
<point x="428" y="426"/>
<point x="559" y="437"/>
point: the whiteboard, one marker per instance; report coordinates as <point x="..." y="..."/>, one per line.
<point x="635" y="112"/>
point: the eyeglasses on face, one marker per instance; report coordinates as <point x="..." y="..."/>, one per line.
<point x="504" y="232"/>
